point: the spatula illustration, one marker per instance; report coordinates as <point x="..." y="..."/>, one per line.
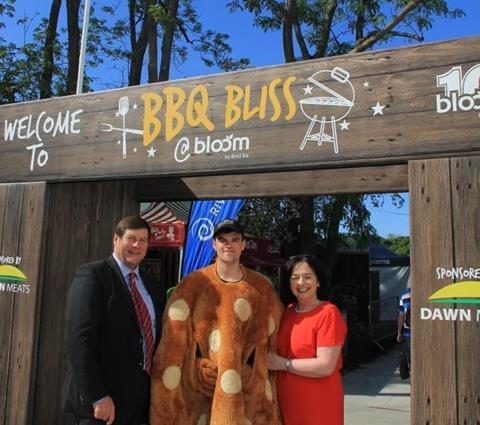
<point x="123" y="108"/>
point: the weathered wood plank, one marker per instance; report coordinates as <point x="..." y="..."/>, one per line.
<point x="26" y="306"/>
<point x="381" y="107"/>
<point x="58" y="244"/>
<point x="81" y="218"/>
<point x="12" y="200"/>
<point x="392" y="178"/>
<point x="21" y="226"/>
<point x="434" y="387"/>
<point x="466" y="225"/>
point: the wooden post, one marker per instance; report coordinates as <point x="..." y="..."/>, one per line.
<point x="80" y="221"/>
<point x="21" y="226"/>
<point x="445" y="235"/>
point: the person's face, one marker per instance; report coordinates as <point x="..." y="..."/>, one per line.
<point x="132" y="247"/>
<point x="304" y="283"/>
<point x="229" y="246"/>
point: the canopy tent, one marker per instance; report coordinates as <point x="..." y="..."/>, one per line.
<point x="394" y="277"/>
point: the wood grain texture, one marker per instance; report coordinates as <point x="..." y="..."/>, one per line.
<point x="434" y="384"/>
<point x="81" y="219"/>
<point x="22" y="209"/>
<point x="393" y="178"/>
<point x="404" y="81"/>
<point x="466" y="225"/>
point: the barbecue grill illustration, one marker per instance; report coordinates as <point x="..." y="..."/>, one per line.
<point x="328" y="105"/>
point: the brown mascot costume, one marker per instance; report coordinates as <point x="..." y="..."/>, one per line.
<point x="218" y="326"/>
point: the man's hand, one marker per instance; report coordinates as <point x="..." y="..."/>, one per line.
<point x="399" y="337"/>
<point x="206" y="375"/>
<point x="104" y="410"/>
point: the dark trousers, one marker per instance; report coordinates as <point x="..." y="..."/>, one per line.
<point x="83" y="421"/>
<point x="405" y="359"/>
<point x="141" y="414"/>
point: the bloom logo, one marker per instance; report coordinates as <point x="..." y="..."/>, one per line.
<point x="462" y="93"/>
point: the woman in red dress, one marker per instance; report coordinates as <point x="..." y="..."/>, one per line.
<point x="310" y="340"/>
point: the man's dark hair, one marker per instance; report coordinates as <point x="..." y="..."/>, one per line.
<point x="131" y="222"/>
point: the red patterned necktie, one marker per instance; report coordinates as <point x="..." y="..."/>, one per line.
<point x="144" y="320"/>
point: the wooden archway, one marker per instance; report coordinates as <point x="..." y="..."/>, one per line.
<point x="392" y="120"/>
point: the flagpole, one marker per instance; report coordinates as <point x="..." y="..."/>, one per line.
<point x="83" y="47"/>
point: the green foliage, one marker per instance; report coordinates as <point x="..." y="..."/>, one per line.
<point x="271" y="218"/>
<point x="310" y="15"/>
<point x="398" y="244"/>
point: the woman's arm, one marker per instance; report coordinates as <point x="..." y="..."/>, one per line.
<point x="316" y="367"/>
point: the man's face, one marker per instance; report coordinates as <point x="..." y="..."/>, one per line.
<point x="229" y="246"/>
<point x="132" y="247"/>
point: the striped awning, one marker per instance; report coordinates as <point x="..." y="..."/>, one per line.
<point x="165" y="212"/>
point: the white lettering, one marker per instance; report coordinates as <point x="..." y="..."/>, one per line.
<point x="6" y="260"/>
<point x="2" y="286"/>
<point x="206" y="146"/>
<point x="458" y="273"/>
<point x="450" y="313"/>
<point x="42" y="157"/>
<point x="425" y="313"/>
<point x="24" y="129"/>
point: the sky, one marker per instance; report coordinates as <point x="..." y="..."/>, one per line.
<point x="387" y="219"/>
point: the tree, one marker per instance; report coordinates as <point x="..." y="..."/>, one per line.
<point x="320" y="28"/>
<point x="398" y="244"/>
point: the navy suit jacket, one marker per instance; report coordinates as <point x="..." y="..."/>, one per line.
<point x="104" y="349"/>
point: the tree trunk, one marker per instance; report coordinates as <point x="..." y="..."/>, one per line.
<point x="152" y="47"/>
<point x="287" y="33"/>
<point x="48" y="58"/>
<point x="73" y="7"/>
<point x="138" y="48"/>
<point x="167" y="41"/>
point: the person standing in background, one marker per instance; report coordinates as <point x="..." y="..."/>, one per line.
<point x="112" y="327"/>
<point x="310" y="339"/>
<point x="403" y="333"/>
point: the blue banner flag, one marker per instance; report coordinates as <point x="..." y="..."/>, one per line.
<point x="204" y="216"/>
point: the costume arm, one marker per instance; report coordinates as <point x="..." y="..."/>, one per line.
<point x="82" y="323"/>
<point x="171" y="362"/>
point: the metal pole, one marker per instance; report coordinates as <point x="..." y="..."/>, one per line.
<point x="83" y="47"/>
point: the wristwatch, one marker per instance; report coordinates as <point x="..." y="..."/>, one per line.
<point x="288" y="365"/>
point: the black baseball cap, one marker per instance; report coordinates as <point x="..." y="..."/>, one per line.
<point x="228" y="225"/>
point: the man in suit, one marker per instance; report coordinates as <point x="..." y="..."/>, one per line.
<point x="113" y="324"/>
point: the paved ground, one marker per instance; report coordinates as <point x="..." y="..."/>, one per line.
<point x="375" y="394"/>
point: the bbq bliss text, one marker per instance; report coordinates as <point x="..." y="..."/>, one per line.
<point x="169" y="111"/>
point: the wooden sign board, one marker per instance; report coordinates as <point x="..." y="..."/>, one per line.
<point x="378" y="108"/>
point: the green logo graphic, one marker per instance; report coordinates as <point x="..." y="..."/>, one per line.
<point x="11" y="273"/>
<point x="467" y="292"/>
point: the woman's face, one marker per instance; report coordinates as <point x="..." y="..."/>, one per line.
<point x="304" y="283"/>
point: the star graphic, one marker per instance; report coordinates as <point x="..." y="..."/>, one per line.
<point x="366" y="84"/>
<point x="308" y="89"/>
<point x="117" y="114"/>
<point x="344" y="125"/>
<point x="377" y="109"/>
<point x="135" y="106"/>
<point x="151" y="152"/>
